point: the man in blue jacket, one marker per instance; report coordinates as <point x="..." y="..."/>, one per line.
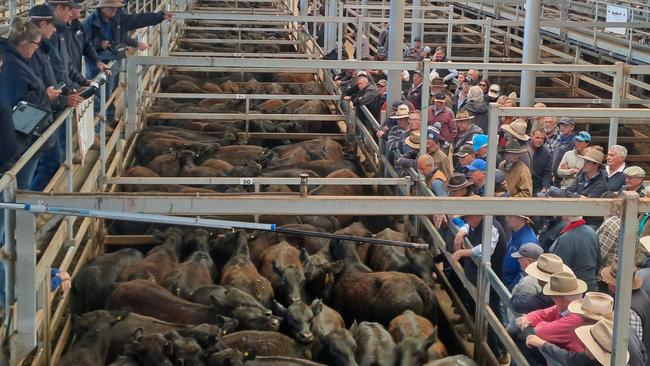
<point x="107" y="27"/>
<point x="522" y="233"/>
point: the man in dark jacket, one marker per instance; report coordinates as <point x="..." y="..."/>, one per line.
<point x="108" y="27"/>
<point x="542" y="162"/>
<point x="579" y="249"/>
<point x="80" y="44"/>
<point x="59" y="44"/>
<point x="414" y="94"/>
<point x="566" y="141"/>
<point x="361" y="94"/>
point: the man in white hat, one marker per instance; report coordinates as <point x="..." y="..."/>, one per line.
<point x="401" y="117"/>
<point x="556" y="324"/>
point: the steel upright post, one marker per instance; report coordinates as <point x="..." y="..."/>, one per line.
<point x="531" y="51"/>
<point x="616" y="101"/>
<point x="417" y="29"/>
<point x="395" y="44"/>
<point x="625" y="263"/>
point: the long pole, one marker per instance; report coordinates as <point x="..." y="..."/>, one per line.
<point x="531" y="51"/>
<point x="416" y="28"/>
<point x="395" y="44"/>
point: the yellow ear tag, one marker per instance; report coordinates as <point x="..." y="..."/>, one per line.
<point x="328" y="278"/>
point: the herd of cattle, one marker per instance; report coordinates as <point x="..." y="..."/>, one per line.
<point x="213" y="298"/>
<point x="257" y="298"/>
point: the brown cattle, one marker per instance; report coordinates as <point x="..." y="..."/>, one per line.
<point x="264" y="343"/>
<point x="196" y="271"/>
<point x="410" y="325"/>
<point x="166" y="165"/>
<point x="275" y="263"/>
<point x="382" y="258"/>
<point x="147" y="298"/>
<point x="159" y="261"/>
<point x="240" y="272"/>
<point x="359" y="293"/>
<point x="291" y="77"/>
<point x="270" y="106"/>
<point x="374" y="345"/>
<point x="217" y="165"/>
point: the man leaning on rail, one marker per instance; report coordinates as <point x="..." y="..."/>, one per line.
<point x="107" y="28"/>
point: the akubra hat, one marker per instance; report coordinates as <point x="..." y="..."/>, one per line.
<point x="608" y="274"/>
<point x="546" y="265"/>
<point x="456" y="182"/>
<point x="597" y="339"/>
<point x="414" y="140"/>
<point x="110" y="4"/>
<point x="402" y="112"/>
<point x="593" y="155"/>
<point x="564" y="284"/>
<point x="463" y="116"/>
<point x="517" y="129"/>
<point x="514" y="147"/>
<point x="594" y="306"/>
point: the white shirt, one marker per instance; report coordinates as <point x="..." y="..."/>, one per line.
<point x="476" y="251"/>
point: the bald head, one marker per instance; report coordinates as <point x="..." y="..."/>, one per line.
<point x="425" y="164"/>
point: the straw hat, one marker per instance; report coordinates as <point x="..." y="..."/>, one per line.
<point x="110" y="4"/>
<point x="593" y="155"/>
<point x="463" y="116"/>
<point x="645" y="243"/>
<point x="564" y="284"/>
<point x="402" y="112"/>
<point x="608" y="274"/>
<point x="456" y="182"/>
<point x="597" y="339"/>
<point x="594" y="306"/>
<point x="414" y="140"/>
<point x="513" y="147"/>
<point x="517" y="129"/>
<point x="546" y="265"/>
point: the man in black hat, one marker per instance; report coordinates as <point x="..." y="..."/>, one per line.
<point x="60" y="44"/>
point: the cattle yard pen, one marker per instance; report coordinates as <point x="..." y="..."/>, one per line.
<point x="39" y="320"/>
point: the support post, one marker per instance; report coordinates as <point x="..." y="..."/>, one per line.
<point x="424" y="106"/>
<point x="487" y="33"/>
<point x="531" y="51"/>
<point x="625" y="273"/>
<point x="69" y="152"/>
<point x="102" y="132"/>
<point x="165" y="26"/>
<point x="25" y="337"/>
<point x="12" y="9"/>
<point x="417" y="29"/>
<point x="330" y="28"/>
<point x="483" y="283"/>
<point x="450" y="31"/>
<point x="9" y="196"/>
<point x="616" y="101"/>
<point x="395" y="44"/>
<point x="131" y="99"/>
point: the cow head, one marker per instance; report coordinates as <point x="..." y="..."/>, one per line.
<point x="183" y="350"/>
<point x="320" y="273"/>
<point x="298" y="318"/>
<point x="422" y="265"/>
<point x="148" y="349"/>
<point x="230" y="357"/>
<point x="292" y="282"/>
<point x="87" y="321"/>
<point x="256" y="319"/>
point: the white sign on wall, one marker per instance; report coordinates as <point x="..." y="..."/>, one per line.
<point x="85" y="117"/>
<point x="617" y="14"/>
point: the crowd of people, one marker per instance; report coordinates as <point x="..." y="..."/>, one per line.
<point x="560" y="270"/>
<point x="46" y="62"/>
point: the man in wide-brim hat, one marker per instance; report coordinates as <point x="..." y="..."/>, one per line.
<point x="517" y="129"/>
<point x="640" y="307"/>
<point x="553" y="324"/>
<point x="458" y="185"/>
<point x="518" y="177"/>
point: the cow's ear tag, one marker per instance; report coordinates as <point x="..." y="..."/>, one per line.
<point x="328" y="278"/>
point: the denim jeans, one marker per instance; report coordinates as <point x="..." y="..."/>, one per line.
<point x="51" y="159"/>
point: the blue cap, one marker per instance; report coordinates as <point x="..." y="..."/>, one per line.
<point x="478" y="141"/>
<point x="583" y="136"/>
<point x="478" y="164"/>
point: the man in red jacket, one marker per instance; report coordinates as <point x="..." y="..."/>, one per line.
<point x="439" y="112"/>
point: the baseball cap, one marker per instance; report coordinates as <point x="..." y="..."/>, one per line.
<point x="478" y="164"/>
<point x="528" y="250"/>
<point x="479" y="140"/>
<point x="41" y="13"/>
<point x="583" y="136"/>
<point x="464" y="151"/>
<point x="362" y="73"/>
<point x="634" y="172"/>
<point x="567" y="121"/>
<point x="382" y="82"/>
